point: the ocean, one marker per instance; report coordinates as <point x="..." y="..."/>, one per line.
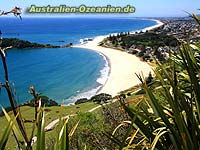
<point x="62" y="74"/>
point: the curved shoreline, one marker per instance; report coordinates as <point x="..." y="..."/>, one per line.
<point x="123" y="66"/>
<point x="109" y="71"/>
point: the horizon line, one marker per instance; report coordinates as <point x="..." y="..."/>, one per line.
<point x="96" y="16"/>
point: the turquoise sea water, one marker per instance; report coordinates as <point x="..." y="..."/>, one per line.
<point x="67" y="73"/>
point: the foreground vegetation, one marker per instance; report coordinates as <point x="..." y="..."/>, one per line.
<point x="167" y="117"/>
<point x="170" y="122"/>
<point x="51" y="114"/>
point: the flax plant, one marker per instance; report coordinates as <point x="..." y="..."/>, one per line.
<point x="168" y="117"/>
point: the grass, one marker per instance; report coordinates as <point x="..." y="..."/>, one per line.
<point x="92" y="122"/>
<point x="51" y="113"/>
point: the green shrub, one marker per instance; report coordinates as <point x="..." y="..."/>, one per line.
<point x="103" y="97"/>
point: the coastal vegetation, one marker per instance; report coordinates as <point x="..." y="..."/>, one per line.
<point x="144" y="44"/>
<point x="45" y="101"/>
<point x="22" y="44"/>
<point x="147" y="39"/>
<point x="99" y="98"/>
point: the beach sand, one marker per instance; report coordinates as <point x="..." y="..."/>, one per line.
<point x="123" y="66"/>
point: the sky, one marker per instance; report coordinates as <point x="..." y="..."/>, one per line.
<point x="144" y="8"/>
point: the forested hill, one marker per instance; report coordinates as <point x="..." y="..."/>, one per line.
<point x="22" y="44"/>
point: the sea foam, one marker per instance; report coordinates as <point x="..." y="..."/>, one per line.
<point x="104" y="74"/>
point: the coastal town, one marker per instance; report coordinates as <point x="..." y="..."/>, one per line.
<point x="156" y="42"/>
<point x="181" y="28"/>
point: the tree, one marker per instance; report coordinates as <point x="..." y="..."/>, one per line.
<point x="103" y="97"/>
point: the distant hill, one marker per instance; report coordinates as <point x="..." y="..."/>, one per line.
<point x="22" y="44"/>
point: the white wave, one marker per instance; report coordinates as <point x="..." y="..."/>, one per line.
<point x="104" y="72"/>
<point x="101" y="80"/>
<point x="87" y="94"/>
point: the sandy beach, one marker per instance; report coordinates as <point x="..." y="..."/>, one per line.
<point x="123" y="66"/>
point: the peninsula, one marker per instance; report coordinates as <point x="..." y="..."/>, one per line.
<point x="22" y="44"/>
